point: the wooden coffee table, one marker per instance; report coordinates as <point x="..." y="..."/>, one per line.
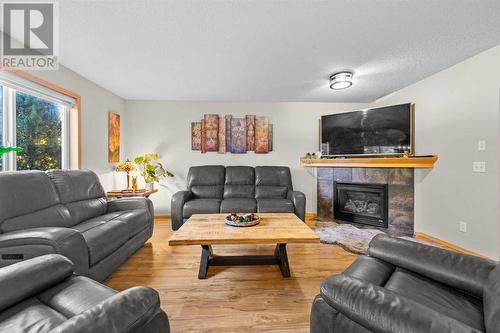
<point x="274" y="228"/>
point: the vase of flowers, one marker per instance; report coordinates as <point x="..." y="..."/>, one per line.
<point x="151" y="169"/>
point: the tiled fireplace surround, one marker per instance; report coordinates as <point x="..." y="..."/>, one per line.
<point x="400" y="183"/>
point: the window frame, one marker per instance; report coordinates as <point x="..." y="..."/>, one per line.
<point x="71" y="129"/>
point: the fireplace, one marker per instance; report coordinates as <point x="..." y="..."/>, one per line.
<point x="361" y="203"/>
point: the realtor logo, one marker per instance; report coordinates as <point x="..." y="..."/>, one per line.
<point x="29" y="35"/>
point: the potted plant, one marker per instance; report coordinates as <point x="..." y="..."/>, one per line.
<point x="151" y="169"/>
<point x="5" y="150"/>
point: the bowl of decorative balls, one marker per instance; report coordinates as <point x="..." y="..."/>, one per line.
<point x="242" y="220"/>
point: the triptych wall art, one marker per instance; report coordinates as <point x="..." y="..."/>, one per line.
<point x="225" y="134"/>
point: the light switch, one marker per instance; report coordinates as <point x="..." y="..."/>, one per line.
<point x="481" y="145"/>
<point x="479" y="166"/>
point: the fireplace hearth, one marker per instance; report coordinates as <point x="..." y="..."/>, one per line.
<point x="399" y="184"/>
<point x="361" y="203"/>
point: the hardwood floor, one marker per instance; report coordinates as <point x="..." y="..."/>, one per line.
<point x="239" y="298"/>
<point x="231" y="299"/>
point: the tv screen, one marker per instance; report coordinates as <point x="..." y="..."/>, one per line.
<point x="380" y="131"/>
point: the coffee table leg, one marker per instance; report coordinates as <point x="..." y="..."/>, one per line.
<point x="206" y="254"/>
<point x="283" y="259"/>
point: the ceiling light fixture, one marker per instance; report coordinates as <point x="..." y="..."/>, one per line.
<point x="341" y="80"/>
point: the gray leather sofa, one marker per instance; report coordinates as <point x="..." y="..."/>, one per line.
<point x="240" y="189"/>
<point x="404" y="286"/>
<point x="67" y="212"/>
<point x="42" y="295"/>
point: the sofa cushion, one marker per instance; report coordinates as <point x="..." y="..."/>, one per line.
<point x="88" y="293"/>
<point x="96" y="221"/>
<point x="206" y="181"/>
<point x="103" y="238"/>
<point x="438" y="297"/>
<point x="239" y="191"/>
<point x="81" y="192"/>
<point x="136" y="220"/>
<point x="275" y="206"/>
<point x="270" y="192"/>
<point x="201" y="206"/>
<point x="28" y="199"/>
<point x="240" y="182"/>
<point x="272" y="182"/>
<point x="238" y="205"/>
<point x="30" y="315"/>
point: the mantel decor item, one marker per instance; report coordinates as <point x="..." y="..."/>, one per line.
<point x="127" y="167"/>
<point x="151" y="169"/>
<point x="228" y="134"/>
<point x="5" y="150"/>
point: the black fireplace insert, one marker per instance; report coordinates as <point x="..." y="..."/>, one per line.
<point x="361" y="203"/>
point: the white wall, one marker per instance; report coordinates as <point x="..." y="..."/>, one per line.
<point x="96" y="103"/>
<point x="164" y="127"/>
<point x="454" y="109"/>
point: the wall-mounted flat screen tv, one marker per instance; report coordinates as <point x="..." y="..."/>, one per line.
<point x="380" y="131"/>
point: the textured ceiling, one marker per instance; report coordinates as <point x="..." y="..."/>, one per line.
<point x="265" y="50"/>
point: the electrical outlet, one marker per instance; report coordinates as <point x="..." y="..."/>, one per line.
<point x="462" y="226"/>
<point x="481" y="145"/>
<point x="479" y="166"/>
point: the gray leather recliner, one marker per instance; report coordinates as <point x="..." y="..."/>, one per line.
<point x="67" y="212"/>
<point x="241" y="189"/>
<point x="405" y="286"/>
<point x="42" y="295"/>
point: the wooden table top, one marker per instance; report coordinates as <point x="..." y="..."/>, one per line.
<point x="120" y="194"/>
<point x="274" y="228"/>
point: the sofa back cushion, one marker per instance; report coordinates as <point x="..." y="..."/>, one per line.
<point x="272" y="182"/>
<point x="240" y="182"/>
<point x="81" y="192"/>
<point x="491" y="301"/>
<point x="28" y="199"/>
<point x="206" y="182"/>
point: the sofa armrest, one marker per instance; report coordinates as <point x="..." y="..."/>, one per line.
<point x="30" y="243"/>
<point x="299" y="202"/>
<point x="27" y="278"/>
<point x="116" y="205"/>
<point x="177" y="206"/>
<point x="381" y="310"/>
<point x="465" y="272"/>
<point x="126" y="311"/>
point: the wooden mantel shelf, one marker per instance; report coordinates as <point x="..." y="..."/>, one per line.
<point x="371" y="162"/>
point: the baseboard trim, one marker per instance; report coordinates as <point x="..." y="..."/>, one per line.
<point x="451" y="246"/>
<point x="310" y="216"/>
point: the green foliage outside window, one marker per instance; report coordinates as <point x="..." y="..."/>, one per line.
<point x="38" y="132"/>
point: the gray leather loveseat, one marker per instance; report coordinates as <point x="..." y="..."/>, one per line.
<point x="67" y="212"/>
<point x="240" y="189"/>
<point x="43" y="295"/>
<point x="404" y="286"/>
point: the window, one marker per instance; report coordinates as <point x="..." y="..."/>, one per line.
<point x="39" y="130"/>
<point x="38" y="121"/>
